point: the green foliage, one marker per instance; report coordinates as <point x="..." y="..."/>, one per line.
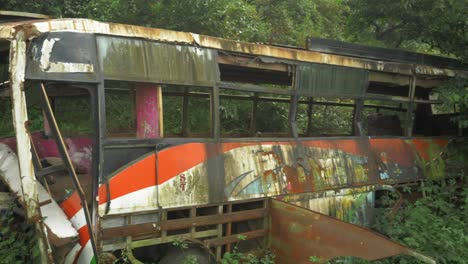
<point x="235" y="116"/>
<point x="272" y="117"/>
<point x="434" y="225"/>
<point x="120" y="112"/>
<point x="315" y="259"/>
<point x="17" y="238"/>
<point x="454" y="94"/>
<point x="432" y="26"/>
<point x="236" y="257"/>
<point x="291" y="22"/>
<point x="6" y="127"/>
<point x="183" y="244"/>
<point x="54" y="8"/>
<point x="180" y="243"/>
<point x="73" y="115"/>
<point x="233" y="257"/>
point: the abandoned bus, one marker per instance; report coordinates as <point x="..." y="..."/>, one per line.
<point x="120" y="138"/>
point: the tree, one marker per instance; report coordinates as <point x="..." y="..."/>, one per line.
<point x="54" y="8"/>
<point x="438" y="26"/>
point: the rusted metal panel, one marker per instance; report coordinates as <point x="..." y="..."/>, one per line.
<point x="176" y="224"/>
<point x="297" y="234"/>
<point x="386" y="54"/>
<point x="95" y="27"/>
<point x="253" y="63"/>
<point x="323" y="80"/>
<point x="140" y="60"/>
<point x="352" y="205"/>
<point x="55" y="55"/>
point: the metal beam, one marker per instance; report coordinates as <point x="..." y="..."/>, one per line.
<point x="20" y="120"/>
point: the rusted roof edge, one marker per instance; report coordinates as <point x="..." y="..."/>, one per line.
<point x="95" y="27"/>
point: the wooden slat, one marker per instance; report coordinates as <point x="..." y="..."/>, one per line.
<point x="176" y="224"/>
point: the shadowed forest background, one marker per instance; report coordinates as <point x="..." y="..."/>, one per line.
<point x="436" y="223"/>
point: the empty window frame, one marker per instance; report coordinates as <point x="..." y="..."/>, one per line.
<point x="71" y="106"/>
<point x="262" y="108"/>
<point x="384" y="118"/>
<point x="187" y="111"/>
<point x="236" y="111"/>
<point x="323" y="117"/>
<point x="272" y="116"/>
<point x="120" y="104"/>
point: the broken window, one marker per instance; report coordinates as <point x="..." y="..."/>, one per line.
<point x="324" y="117"/>
<point x="383" y="118"/>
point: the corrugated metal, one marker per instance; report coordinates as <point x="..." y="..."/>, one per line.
<point x="323" y="80"/>
<point x="140" y="60"/>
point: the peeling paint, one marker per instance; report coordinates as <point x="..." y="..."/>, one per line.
<point x="47" y="66"/>
<point x="95" y="27"/>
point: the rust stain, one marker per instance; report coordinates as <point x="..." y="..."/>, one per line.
<point x="297" y="234"/>
<point x="275" y="156"/>
<point x="90" y="26"/>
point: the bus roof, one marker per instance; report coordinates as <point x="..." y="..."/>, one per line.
<point x="38" y="27"/>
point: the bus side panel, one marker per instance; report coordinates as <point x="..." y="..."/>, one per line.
<point x="202" y="173"/>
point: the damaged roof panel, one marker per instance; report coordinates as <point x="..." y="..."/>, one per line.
<point x="94" y="27"/>
<point x="55" y="55"/>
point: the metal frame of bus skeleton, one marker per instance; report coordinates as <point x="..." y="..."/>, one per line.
<point x="18" y="34"/>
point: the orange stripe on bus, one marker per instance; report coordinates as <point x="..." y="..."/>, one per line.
<point x="175" y="160"/>
<point x="139" y="175"/>
<point x="84" y="235"/>
<point x="71" y="205"/>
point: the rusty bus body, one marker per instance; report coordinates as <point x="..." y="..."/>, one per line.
<point x="145" y="188"/>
